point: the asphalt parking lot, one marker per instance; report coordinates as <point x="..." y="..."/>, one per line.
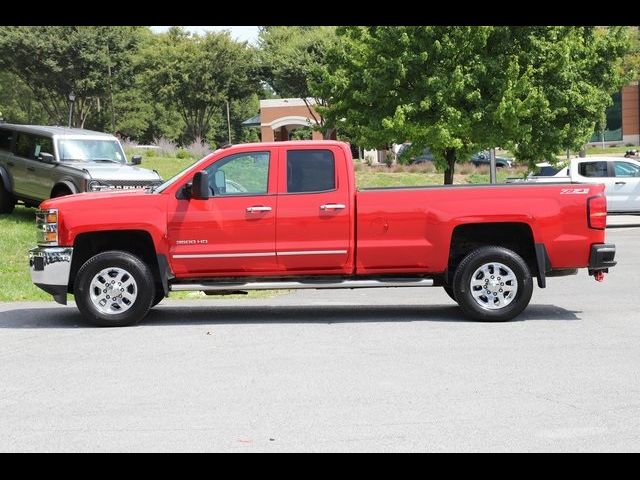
<point x="362" y="370"/>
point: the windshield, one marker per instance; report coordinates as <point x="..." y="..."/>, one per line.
<point x="91" y="151"/>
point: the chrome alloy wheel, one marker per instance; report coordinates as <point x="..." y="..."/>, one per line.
<point x="493" y="286"/>
<point x="113" y="291"/>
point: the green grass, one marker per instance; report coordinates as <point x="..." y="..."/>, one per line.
<point x="17" y="236"/>
<point x="167" y="167"/>
<point x="608" y="150"/>
<point x="17" y="230"/>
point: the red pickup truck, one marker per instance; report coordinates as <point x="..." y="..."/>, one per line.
<point x="288" y="215"/>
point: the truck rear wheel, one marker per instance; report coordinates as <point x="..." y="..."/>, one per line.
<point x="7" y="202"/>
<point x="450" y="292"/>
<point x="114" y="289"/>
<point x="492" y="284"/>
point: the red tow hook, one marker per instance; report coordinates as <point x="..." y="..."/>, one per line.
<point x="599" y="276"/>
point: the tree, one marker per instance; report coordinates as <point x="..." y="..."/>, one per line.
<point x="293" y="60"/>
<point x="17" y="103"/>
<point x="573" y="72"/>
<point x="52" y="61"/>
<point x="462" y="89"/>
<point x="197" y="74"/>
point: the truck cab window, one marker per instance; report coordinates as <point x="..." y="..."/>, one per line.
<point x="626" y="169"/>
<point x="241" y="174"/>
<point x="310" y="171"/>
<point x="593" y="169"/>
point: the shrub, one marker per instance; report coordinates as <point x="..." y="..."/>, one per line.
<point x="150" y="152"/>
<point x="181" y="153"/>
<point x="166" y="148"/>
<point x="198" y="148"/>
<point x="466" y="168"/>
<point x="129" y="144"/>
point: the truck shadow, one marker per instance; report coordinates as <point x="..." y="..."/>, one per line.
<point x="60" y="317"/>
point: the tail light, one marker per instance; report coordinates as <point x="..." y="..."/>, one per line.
<point x="597" y="212"/>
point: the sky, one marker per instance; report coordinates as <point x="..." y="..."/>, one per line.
<point x="249" y="34"/>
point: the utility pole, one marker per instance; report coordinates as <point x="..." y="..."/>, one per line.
<point x="492" y="166"/>
<point x="228" y="120"/>
<point x="113" y="116"/>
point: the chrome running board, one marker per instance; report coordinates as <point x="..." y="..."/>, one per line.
<point x="291" y="285"/>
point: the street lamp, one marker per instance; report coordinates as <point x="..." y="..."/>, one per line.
<point x="72" y="98"/>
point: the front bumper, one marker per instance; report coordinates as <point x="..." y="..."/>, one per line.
<point x="50" y="268"/>
<point x="602" y="257"/>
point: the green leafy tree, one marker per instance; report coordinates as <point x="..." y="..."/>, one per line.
<point x="52" y="61"/>
<point x="197" y="75"/>
<point x="17" y="103"/>
<point x="293" y="60"/>
<point x="462" y="89"/>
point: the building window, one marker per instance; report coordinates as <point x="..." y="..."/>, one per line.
<point x="613" y="129"/>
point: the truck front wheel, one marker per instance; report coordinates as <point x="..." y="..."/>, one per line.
<point x="492" y="284"/>
<point x="114" y="289"/>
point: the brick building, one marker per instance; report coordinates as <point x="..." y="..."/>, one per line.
<point x="623" y="119"/>
<point x="279" y="117"/>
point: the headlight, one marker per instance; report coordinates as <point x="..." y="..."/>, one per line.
<point x="47" y="225"/>
<point x="96" y="186"/>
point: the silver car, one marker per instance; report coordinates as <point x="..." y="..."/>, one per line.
<point x="39" y="162"/>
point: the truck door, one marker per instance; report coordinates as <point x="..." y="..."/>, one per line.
<point x="625" y="195"/>
<point x="233" y="232"/>
<point x="314" y="229"/>
<point x="598" y="171"/>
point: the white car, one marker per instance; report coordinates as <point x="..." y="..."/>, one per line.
<point x="620" y="175"/>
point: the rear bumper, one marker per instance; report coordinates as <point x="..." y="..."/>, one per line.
<point x="602" y="257"/>
<point x="50" y="268"/>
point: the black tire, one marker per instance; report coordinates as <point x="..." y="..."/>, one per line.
<point x="158" y="297"/>
<point x="484" y="307"/>
<point x="450" y="292"/>
<point x="144" y="289"/>
<point x="7" y="201"/>
<point x="60" y="192"/>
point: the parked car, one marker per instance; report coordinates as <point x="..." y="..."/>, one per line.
<point x="294" y="219"/>
<point x="620" y="176"/>
<point x="41" y="162"/>
<point x="546" y="169"/>
<point x="483" y="158"/>
<point x="425" y="156"/>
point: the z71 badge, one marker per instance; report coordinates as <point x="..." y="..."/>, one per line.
<point x="574" y="191"/>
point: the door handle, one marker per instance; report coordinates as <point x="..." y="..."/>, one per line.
<point x="621" y="183"/>
<point x="258" y="208"/>
<point x="31" y="169"/>
<point x="332" y="206"/>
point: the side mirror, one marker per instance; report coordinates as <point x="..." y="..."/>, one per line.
<point x="136" y="160"/>
<point x="46" y="158"/>
<point x="221" y="182"/>
<point x="200" y="186"/>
